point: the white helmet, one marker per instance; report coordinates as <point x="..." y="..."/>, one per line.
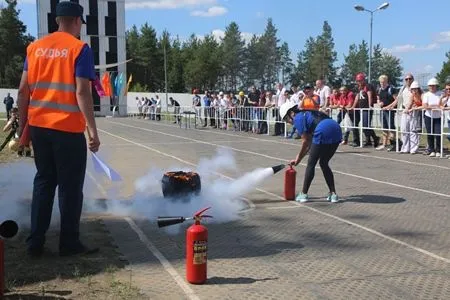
<point x="415" y="85"/>
<point x="284" y="108"/>
<point x="433" y="81"/>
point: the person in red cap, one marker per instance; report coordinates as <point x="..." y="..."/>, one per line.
<point x="364" y="100"/>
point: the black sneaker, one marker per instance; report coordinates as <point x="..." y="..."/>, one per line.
<point x="78" y="250"/>
<point x="28" y="154"/>
<point x="376" y="141"/>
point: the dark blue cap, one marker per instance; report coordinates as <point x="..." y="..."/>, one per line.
<point x="69" y="9"/>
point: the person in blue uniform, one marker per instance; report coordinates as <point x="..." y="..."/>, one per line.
<point x="321" y="136"/>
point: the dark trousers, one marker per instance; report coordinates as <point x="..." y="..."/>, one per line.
<point x="355" y="117"/>
<point x="433" y="127"/>
<point x="60" y="160"/>
<point x="321" y="153"/>
<point x="367" y="121"/>
<point x="279" y="127"/>
<point x="8" y="113"/>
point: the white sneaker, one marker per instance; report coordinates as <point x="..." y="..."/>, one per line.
<point x="432" y="154"/>
<point x="438" y="154"/>
<point x="381" y="147"/>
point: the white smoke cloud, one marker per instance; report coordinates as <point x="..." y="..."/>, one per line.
<point x="222" y="195"/>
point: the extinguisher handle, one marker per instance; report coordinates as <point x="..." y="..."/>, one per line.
<point x="200" y="212"/>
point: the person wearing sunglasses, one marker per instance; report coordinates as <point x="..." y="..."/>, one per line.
<point x="321" y="136"/>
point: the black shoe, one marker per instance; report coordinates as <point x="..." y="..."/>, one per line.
<point x="28" y="154"/>
<point x="78" y="250"/>
<point x="376" y="141"/>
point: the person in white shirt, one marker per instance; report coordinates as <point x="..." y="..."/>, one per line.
<point x="431" y="101"/>
<point x="324" y="92"/>
<point x="280" y="99"/>
<point x="297" y="95"/>
<point x="445" y="103"/>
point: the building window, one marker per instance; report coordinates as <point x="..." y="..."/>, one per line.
<point x="93" y="7"/>
<point x="92" y="25"/>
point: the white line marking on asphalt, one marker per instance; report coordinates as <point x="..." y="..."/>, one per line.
<point x="321" y="212"/>
<point x="296" y="145"/>
<point x="283" y="207"/>
<point x="285" y="159"/>
<point x="152" y="248"/>
<point x="166" y="264"/>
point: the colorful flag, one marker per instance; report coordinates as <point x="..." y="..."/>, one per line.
<point x="102" y="167"/>
<point x="120" y="83"/>
<point x="106" y="82"/>
<point x="99" y="88"/>
<point x="128" y="84"/>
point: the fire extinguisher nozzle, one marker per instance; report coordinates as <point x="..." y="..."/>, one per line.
<point x="167" y="221"/>
<point x="278" y="168"/>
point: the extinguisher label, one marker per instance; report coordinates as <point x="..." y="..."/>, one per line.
<point x="200" y="250"/>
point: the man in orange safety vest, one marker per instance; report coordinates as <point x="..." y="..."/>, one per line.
<point x="55" y="99"/>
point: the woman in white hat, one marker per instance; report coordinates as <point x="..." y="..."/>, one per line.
<point x="431" y="104"/>
<point x="321" y="135"/>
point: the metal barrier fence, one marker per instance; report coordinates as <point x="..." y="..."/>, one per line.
<point x="403" y="126"/>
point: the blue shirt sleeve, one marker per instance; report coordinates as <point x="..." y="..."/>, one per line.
<point x="25" y="64"/>
<point x="85" y="64"/>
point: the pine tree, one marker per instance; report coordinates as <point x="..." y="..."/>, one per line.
<point x="270" y="57"/>
<point x="286" y="65"/>
<point x="354" y="62"/>
<point x="233" y="47"/>
<point x="13" y="44"/>
<point x="253" y="63"/>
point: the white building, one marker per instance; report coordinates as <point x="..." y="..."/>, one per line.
<point x="104" y="32"/>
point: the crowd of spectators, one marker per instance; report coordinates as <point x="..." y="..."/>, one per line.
<point x="404" y="113"/>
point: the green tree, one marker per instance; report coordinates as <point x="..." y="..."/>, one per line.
<point x="254" y="68"/>
<point x="176" y="68"/>
<point x="270" y="55"/>
<point x="133" y="48"/>
<point x="444" y="75"/>
<point x="151" y="58"/>
<point x="13" y="44"/>
<point x="233" y="50"/>
<point x="377" y="61"/>
<point x="324" y="56"/>
<point x="391" y="66"/>
<point x="317" y="59"/>
<point x="202" y="68"/>
<point x="354" y="62"/>
<point x="286" y="65"/>
<point x="304" y="72"/>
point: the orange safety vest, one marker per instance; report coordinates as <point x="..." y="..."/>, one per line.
<point x="51" y="79"/>
<point x="311" y="103"/>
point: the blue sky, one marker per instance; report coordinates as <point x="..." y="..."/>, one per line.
<point x="418" y="34"/>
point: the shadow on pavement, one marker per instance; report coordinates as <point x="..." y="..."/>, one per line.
<point x="237" y="280"/>
<point x="376" y="199"/>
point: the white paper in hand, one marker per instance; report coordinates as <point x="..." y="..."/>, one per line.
<point x="102" y="167"/>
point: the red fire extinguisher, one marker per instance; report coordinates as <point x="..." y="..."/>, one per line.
<point x="289" y="183"/>
<point x="197" y="249"/>
<point x="8" y="229"/>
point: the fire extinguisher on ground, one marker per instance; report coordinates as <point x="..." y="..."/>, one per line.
<point x="196" y="245"/>
<point x="289" y="183"/>
<point x="8" y="229"/>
